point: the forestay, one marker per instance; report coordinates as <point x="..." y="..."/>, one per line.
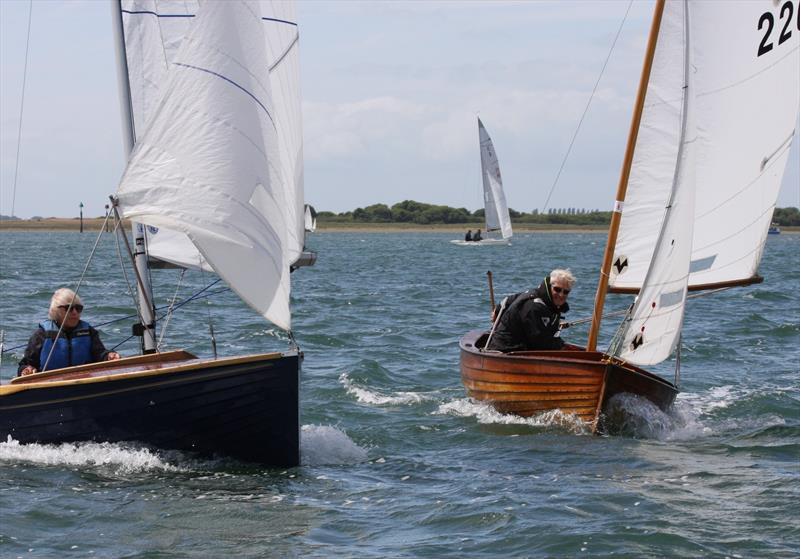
<point x="494" y="200"/>
<point x="651" y="332"/>
<point x="209" y="162"/>
<point x="746" y="71"/>
<point x="154" y="31"/>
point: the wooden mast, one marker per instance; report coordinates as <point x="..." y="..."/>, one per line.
<point x="616" y="216"/>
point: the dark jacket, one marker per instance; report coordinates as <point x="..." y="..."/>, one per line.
<point x="33" y="353"/>
<point x="530" y="321"/>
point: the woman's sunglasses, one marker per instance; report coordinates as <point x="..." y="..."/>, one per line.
<point x="561" y="290"/>
<point x="65" y="308"/>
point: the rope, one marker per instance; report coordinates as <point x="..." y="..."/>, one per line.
<point x="21" y="108"/>
<point x="585" y="110"/>
<point x="169" y="311"/>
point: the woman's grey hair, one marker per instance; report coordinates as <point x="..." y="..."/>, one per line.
<point x="63" y="296"/>
<point x="563" y="276"/>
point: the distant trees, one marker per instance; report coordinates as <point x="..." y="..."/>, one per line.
<point x="410" y="211"/>
<point x="786" y="217"/>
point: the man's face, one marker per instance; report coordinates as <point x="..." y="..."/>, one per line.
<point x="559" y="292"/>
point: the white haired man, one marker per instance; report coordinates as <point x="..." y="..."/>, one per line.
<point x="77" y="344"/>
<point x="532" y="320"/>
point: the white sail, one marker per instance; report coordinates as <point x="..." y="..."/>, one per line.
<point x="746" y="107"/>
<point x="494" y="199"/>
<point x="208" y="164"/>
<point x="310" y="219"/>
<point x="154" y="31"/>
<point x="652" y="330"/>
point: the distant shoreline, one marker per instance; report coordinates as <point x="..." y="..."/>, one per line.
<point x="94" y="224"/>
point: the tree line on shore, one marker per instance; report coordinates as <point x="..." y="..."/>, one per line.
<point x="420" y="213"/>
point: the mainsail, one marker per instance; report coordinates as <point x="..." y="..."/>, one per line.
<point x="747" y="96"/>
<point x="494" y="200"/>
<point x="153" y="32"/>
<point x="708" y="162"/>
<point x="209" y="162"/>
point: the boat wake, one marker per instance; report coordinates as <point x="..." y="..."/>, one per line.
<point x="323" y="444"/>
<point x="486" y="414"/>
<point x="373" y="397"/>
<point x="119" y="458"/>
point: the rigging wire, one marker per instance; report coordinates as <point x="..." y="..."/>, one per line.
<point x="21" y="108"/>
<point x="586" y="109"/>
<point x="76" y="290"/>
<point x="170" y="309"/>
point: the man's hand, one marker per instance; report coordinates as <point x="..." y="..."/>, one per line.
<point x="28" y="370"/>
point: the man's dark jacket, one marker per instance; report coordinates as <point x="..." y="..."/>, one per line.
<point x="530" y="322"/>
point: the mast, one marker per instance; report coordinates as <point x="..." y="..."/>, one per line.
<point x="143" y="287"/>
<point x="622" y="187"/>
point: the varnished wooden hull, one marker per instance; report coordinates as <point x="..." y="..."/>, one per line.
<point x="572" y="380"/>
<point x="243" y="407"/>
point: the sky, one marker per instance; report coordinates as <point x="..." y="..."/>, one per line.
<point x="391" y="91"/>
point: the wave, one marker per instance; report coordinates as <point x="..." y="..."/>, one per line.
<point x="486" y="414"/>
<point x="122" y="459"/>
<point x="325" y="445"/>
<point x="374" y="397"/>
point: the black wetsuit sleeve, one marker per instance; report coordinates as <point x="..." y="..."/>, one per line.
<point x="99" y="351"/>
<point x="33" y="351"/>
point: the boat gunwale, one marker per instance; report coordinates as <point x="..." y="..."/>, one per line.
<point x="106" y="370"/>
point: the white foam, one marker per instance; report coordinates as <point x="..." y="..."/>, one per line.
<point x="373" y="397"/>
<point x="639" y="417"/>
<point x="484" y="413"/>
<point x="324" y="444"/>
<point x="121" y="458"/>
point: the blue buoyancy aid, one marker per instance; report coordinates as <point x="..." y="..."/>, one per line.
<point x="70" y="349"/>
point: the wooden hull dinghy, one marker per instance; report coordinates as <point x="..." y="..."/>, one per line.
<point x="572" y="380"/>
<point x="700" y="177"/>
<point x="242" y="407"/>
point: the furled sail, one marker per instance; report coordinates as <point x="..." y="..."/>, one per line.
<point x="747" y="97"/>
<point x="154" y="31"/>
<point x="208" y="164"/>
<point x="652" y="330"/>
<point x="494" y="199"/>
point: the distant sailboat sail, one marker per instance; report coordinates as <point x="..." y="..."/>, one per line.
<point x="494" y="199"/>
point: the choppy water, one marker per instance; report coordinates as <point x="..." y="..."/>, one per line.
<point x="396" y="461"/>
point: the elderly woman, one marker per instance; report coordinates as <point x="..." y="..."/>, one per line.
<point x="532" y="320"/>
<point x="77" y="344"/>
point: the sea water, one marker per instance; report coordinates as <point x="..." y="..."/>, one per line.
<point x="397" y="461"/>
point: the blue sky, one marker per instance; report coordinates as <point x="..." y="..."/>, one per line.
<point x="390" y="95"/>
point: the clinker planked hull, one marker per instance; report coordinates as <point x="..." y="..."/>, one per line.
<point x="243" y="407"/>
<point x="572" y="380"/>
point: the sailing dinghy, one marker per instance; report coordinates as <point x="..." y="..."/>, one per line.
<point x="709" y="141"/>
<point x="216" y="173"/>
<point x="494" y="199"/>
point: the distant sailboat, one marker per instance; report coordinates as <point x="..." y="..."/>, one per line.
<point x="708" y="146"/>
<point x="310" y="219"/>
<point x="212" y="103"/>
<point x="494" y="199"/>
